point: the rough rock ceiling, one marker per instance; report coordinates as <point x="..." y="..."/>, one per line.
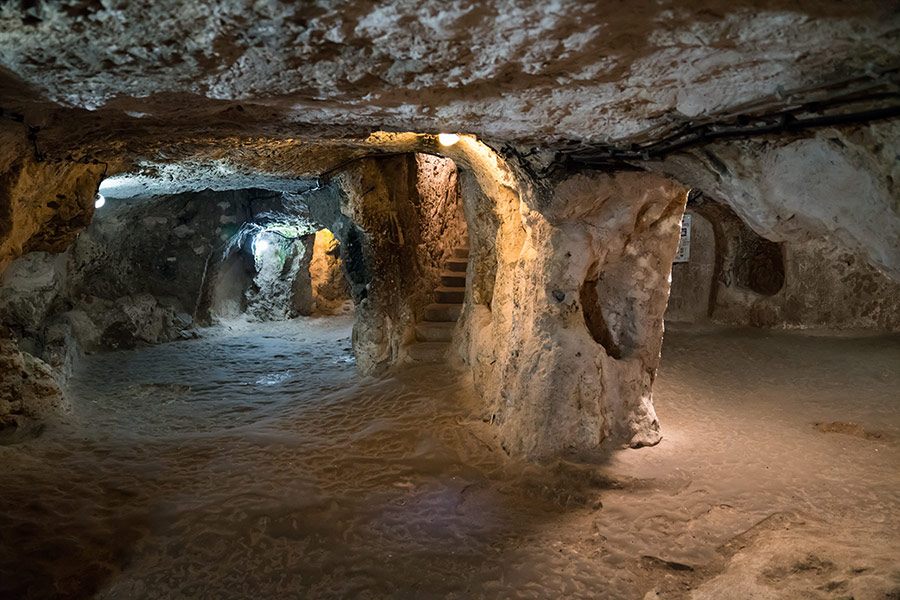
<point x="187" y="95"/>
<point x="511" y="70"/>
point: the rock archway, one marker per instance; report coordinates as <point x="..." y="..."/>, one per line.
<point x="535" y="245"/>
<point x="553" y="261"/>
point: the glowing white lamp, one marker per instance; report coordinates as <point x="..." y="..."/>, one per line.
<point x="100" y="201"/>
<point x="262" y="245"/>
<point x="448" y="139"/>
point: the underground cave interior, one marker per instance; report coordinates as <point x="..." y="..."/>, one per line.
<point x="214" y="422"/>
<point x="630" y="333"/>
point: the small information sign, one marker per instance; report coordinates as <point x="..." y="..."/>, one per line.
<point x="684" y="244"/>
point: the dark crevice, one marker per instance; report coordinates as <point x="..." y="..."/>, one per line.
<point x="760" y="266"/>
<point x="355" y="268"/>
<point x="593" y="318"/>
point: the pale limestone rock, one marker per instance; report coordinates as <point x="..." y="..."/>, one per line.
<point x="507" y="69"/>
<point x="836" y="184"/>
<point x="566" y="353"/>
<point x="329" y="286"/>
<point x="282" y="288"/>
<point x="566" y="290"/>
<point x="734" y="276"/>
<point x="43" y="205"/>
<point x="567" y="279"/>
<point x="125" y="322"/>
<point x="399" y="219"/>
<point x="825" y="286"/>
<point x="29" y="287"/>
<point x="28" y="388"/>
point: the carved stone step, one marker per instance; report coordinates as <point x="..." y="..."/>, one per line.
<point x="450" y="295"/>
<point x="435" y="332"/>
<point x="442" y="313"/>
<point x="428" y="352"/>
<point x="457" y="265"/>
<point x="453" y="279"/>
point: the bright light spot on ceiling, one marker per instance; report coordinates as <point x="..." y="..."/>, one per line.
<point x="260" y="248"/>
<point x="111" y="183"/>
<point x="100" y="201"/>
<point x="448" y="139"/>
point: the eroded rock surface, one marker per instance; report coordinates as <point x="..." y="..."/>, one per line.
<point x="43" y="205"/>
<point x="397" y="221"/>
<point x="329" y="286"/>
<point x="839" y="184"/>
<point x="506" y="69"/>
<point x="28" y="388"/>
<point x="736" y="277"/>
<point x="335" y="106"/>
<point x="135" y="277"/>
<point x="565" y="348"/>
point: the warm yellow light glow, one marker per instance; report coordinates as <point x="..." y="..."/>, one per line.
<point x="324" y="239"/>
<point x="448" y="139"/>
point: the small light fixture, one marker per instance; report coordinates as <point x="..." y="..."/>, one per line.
<point x="100" y="201"/>
<point x="448" y="139"/>
<point x="262" y="246"/>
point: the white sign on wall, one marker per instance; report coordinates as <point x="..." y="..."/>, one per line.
<point x="684" y="244"/>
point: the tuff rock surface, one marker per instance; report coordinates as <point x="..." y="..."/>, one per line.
<point x="329" y="287"/>
<point x="29" y="390"/>
<point x="508" y="69"/>
<point x="839" y="184"/>
<point x="334" y="106"/>
<point x="144" y="272"/>
<point x="397" y="219"/>
<point x="565" y="323"/>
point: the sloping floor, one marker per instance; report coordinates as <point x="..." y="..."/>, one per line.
<point x="255" y="463"/>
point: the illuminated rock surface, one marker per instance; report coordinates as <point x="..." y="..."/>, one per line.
<point x="329" y="287"/>
<point x="536" y="241"/>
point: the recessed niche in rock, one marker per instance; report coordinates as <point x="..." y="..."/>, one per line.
<point x="760" y="267"/>
<point x="436" y="300"/>
<point x="593" y="317"/>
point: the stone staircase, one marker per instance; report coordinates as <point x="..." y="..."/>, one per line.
<point x="435" y="331"/>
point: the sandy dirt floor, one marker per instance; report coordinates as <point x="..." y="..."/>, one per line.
<point x="256" y="463"/>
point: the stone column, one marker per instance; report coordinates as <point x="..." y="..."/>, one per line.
<point x="564" y="351"/>
<point x="396" y="223"/>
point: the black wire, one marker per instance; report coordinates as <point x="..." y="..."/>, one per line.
<point x="709" y="132"/>
<point x="287" y="237"/>
<point x="39" y="156"/>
